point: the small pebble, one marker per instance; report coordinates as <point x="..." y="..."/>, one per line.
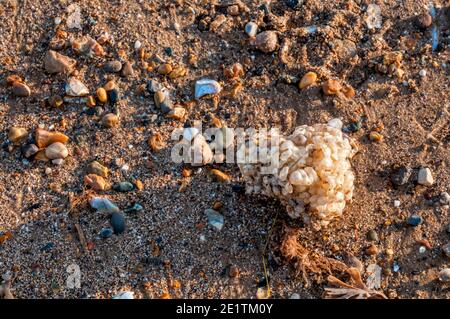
<point x="134" y="209"/>
<point x="21" y="89"/>
<point x="206" y="86"/>
<point x="113" y="95"/>
<point x="123" y="187"/>
<point x="336" y="123"/>
<point x="414" y="220"/>
<point x="56" y="150"/>
<point x="424" y="21"/>
<point x="423" y="73"/>
<point x="127" y="70"/>
<point x="58" y="161"/>
<point x="29" y="150"/>
<point x="251" y="29"/>
<point x="103" y="205"/>
<point x="372" y="235"/>
<point x="137" y="45"/>
<point x="153" y="86"/>
<point x="110" y="120"/>
<point x="214" y="218"/>
<point x="17" y="134"/>
<point x="97" y="169"/>
<point x="401" y="175"/>
<point x="331" y="87"/>
<point x="425" y="177"/>
<point x="48" y="171"/>
<point x="446" y="250"/>
<point x="117" y="223"/>
<point x="95" y="182"/>
<point x="397" y="203"/>
<point x="294" y="296"/>
<point x="75" y="87"/>
<point x="124" y="295"/>
<point x="58" y="63"/>
<point x="307" y="80"/>
<point x="422" y="249"/>
<point x="113" y="66"/>
<point x="267" y="41"/>
<point x="165" y="69"/>
<point x="372" y="250"/>
<point x="106" y="233"/>
<point x="444" y="275"/>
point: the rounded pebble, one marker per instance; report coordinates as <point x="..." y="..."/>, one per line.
<point x="118" y="223"/>
<point x="56" y="150"/>
<point x="106" y="233"/>
<point x="414" y="220"/>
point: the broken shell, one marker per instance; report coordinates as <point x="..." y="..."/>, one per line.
<point x="45" y="138"/>
<point x="56" y="150"/>
<point x="205" y="87"/>
<point x="58" y="63"/>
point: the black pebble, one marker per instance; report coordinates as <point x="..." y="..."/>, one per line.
<point x="117" y="223"/>
<point x="113" y="96"/>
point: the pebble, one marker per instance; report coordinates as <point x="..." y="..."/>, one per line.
<point x="48" y="171"/>
<point x="95" y="182"/>
<point x="113" y="95"/>
<point x="422" y="249"/>
<point x="220" y="176"/>
<point x="375" y="136"/>
<point x="127" y="70"/>
<point x="21" y="89"/>
<point x="372" y="235"/>
<point x="76" y="88"/>
<point x="424" y="20"/>
<point x="134" y="209"/>
<point x="97" y="169"/>
<point x="124" y="295"/>
<point x="165" y="69"/>
<point x="102" y="204"/>
<point x="17" y="134"/>
<point x="112" y="66"/>
<point x="373" y="17"/>
<point x="55" y="101"/>
<point x="401" y="175"/>
<point x="372" y="250"/>
<point x="414" y="220"/>
<point x="251" y="29"/>
<point x="102" y="96"/>
<point x="137" y="45"/>
<point x="56" y="150"/>
<point x="423" y="73"/>
<point x="110" y="85"/>
<point x="29" y="150"/>
<point x="336" y="123"/>
<point x="397" y="203"/>
<point x="177" y="113"/>
<point x="206" y="86"/>
<point x="233" y="271"/>
<point x="106" y="233"/>
<point x="153" y="86"/>
<point x="118" y="223"/>
<point x="47" y="247"/>
<point x="307" y="80"/>
<point x="444" y="198"/>
<point x="425" y="177"/>
<point x="294" y="296"/>
<point x="58" y="63"/>
<point x="446" y="250"/>
<point x="444" y="275"/>
<point x="123" y="187"/>
<point x="215" y="219"/>
<point x="178" y="72"/>
<point x="110" y="120"/>
<point x="166" y="106"/>
<point x="266" y="41"/>
<point x="58" y="161"/>
<point x="44" y="138"/>
<point x="331" y="87"/>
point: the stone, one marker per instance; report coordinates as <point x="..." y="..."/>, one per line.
<point x="215" y="219"/>
<point x="112" y="66"/>
<point x="307" y="80"/>
<point x="110" y="85"/>
<point x="372" y="235"/>
<point x="106" y="233"/>
<point x="137" y="45"/>
<point x="424" y="21"/>
<point x="75" y="87"/>
<point x="102" y="204"/>
<point x="177" y="72"/>
<point x="414" y="220"/>
<point x="123" y="187"/>
<point x="58" y="63"/>
<point x="166" y="106"/>
<point x="44" y="138"/>
<point x="251" y="29"/>
<point x="165" y="69"/>
<point x="110" y="120"/>
<point x="331" y="87"/>
<point x="102" y="96"/>
<point x="21" y="89"/>
<point x="55" y="101"/>
<point x="159" y="97"/>
<point x="113" y="96"/>
<point x="206" y="86"/>
<point x="267" y="41"/>
<point x="56" y="150"/>
<point x="29" y="150"/>
<point x="95" y="182"/>
<point x="373" y="17"/>
<point x="58" y="161"/>
<point x="220" y="176"/>
<point x="17" y="134"/>
<point x="97" y="169"/>
<point x="178" y="113"/>
<point x="372" y="250"/>
<point x="124" y="295"/>
<point x="425" y="177"/>
<point x="127" y="70"/>
<point x="134" y="209"/>
<point x="118" y="223"/>
<point x="444" y="275"/>
<point x="400" y="176"/>
<point x="336" y="123"/>
<point x="153" y="86"/>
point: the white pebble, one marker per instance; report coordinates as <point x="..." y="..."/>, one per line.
<point x="58" y="20"/>
<point x="336" y="123"/>
<point x="251" y="29"/>
<point x="396" y="203"/>
<point x="137" y="45"/>
<point x="423" y="73"/>
<point x="206" y="86"/>
<point x="48" y="170"/>
<point x="425" y="177"/>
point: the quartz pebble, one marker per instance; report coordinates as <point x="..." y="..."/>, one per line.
<point x="58" y="63"/>
<point x="21" y="89"/>
<point x="307" y="80"/>
<point x="75" y="87"/>
<point x="118" y="223"/>
<point x="56" y="150"/>
<point x="251" y="29"/>
<point x="266" y="41"/>
<point x="215" y="219"/>
<point x="336" y="123"/>
<point x="425" y="177"/>
<point x="102" y="204"/>
<point x="17" y="134"/>
<point x="137" y="45"/>
<point x="124" y="295"/>
<point x="206" y="86"/>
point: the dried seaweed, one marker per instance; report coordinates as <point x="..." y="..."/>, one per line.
<point x="306" y="261"/>
<point x="355" y="290"/>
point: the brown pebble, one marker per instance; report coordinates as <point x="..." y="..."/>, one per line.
<point x="97" y="169"/>
<point x="44" y="138"/>
<point x="220" y="176"/>
<point x="178" y="72"/>
<point x="17" y="134"/>
<point x="233" y="271"/>
<point x="90" y="101"/>
<point x="95" y="182"/>
<point x="331" y="87"/>
<point x="424" y="21"/>
<point x="11" y="79"/>
<point x="139" y="185"/>
<point x="375" y="136"/>
<point x="308" y="79"/>
<point x="127" y="70"/>
<point x="372" y="250"/>
<point x="58" y="63"/>
<point x="234" y="71"/>
<point x="110" y="120"/>
<point x="217" y="205"/>
<point x="21" y="89"/>
<point x="348" y="91"/>
<point x="164" y="69"/>
<point x="267" y="41"/>
<point x="110" y="85"/>
<point x="102" y="95"/>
